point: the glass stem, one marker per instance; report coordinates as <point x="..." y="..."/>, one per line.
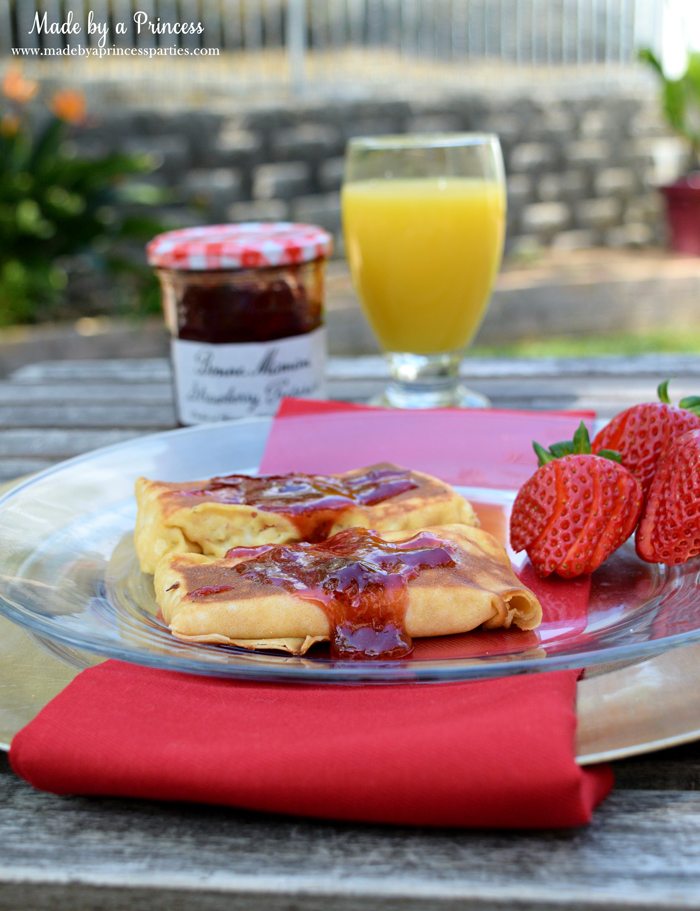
<point x="423" y="380"/>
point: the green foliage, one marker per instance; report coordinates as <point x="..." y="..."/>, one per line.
<point x="680" y="99"/>
<point x="56" y="204"/>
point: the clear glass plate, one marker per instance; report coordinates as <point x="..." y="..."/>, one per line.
<point x="68" y="573"/>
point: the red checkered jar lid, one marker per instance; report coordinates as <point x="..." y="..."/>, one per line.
<point x="247" y="245"/>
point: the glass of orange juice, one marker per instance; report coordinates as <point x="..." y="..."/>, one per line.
<point x="424" y="222"/>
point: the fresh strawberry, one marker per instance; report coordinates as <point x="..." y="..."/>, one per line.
<point x="576" y="509"/>
<point x="641" y="433"/>
<point x="669" y="530"/>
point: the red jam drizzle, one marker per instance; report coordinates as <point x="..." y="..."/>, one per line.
<point x="359" y="580"/>
<point x="206" y="591"/>
<point x="312" y="502"/>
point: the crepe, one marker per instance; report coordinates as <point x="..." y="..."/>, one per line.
<point x="465" y="581"/>
<point x="210" y="517"/>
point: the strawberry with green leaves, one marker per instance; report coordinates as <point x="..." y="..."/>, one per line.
<point x="576" y="509"/>
<point x="669" y="530"/>
<point x="641" y="433"/>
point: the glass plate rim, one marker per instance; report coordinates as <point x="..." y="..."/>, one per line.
<point x="259" y="666"/>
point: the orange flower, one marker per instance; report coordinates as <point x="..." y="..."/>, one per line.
<point x="69" y="105"/>
<point x="16" y="87"/>
<point x="9" y="125"/>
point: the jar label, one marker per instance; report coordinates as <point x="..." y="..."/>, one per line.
<point x="222" y="382"/>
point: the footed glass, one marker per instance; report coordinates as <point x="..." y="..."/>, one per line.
<point x="424" y="224"/>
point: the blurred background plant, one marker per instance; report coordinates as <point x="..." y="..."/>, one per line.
<point x="680" y="100"/>
<point x="58" y="206"/>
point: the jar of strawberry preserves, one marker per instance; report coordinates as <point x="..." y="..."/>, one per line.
<point x="244" y="304"/>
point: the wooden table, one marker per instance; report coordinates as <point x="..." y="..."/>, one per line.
<point x="642" y="850"/>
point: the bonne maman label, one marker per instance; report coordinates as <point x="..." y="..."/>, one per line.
<point x="223" y="382"/>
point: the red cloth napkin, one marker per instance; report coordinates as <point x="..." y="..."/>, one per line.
<point x="494" y="753"/>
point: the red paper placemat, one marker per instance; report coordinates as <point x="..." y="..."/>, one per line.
<point x="486" y="448"/>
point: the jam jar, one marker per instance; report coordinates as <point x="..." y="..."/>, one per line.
<point x="244" y="306"/>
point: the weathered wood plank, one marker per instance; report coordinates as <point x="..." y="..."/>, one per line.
<point x="86" y="414"/>
<point x="676" y="769"/>
<point x="157" y="369"/>
<point x="640" y="852"/>
<point x="606" y="389"/>
<point x="603" y="384"/>
<point x="35" y="415"/>
<point x="605" y="399"/>
<point x="648" y="365"/>
<point x="56" y="444"/>
<point x="14" y="393"/>
<point x="123" y="371"/>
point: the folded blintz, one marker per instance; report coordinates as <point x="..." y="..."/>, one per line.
<point x="368" y="593"/>
<point x="212" y="516"/>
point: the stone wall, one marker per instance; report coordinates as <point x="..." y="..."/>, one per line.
<point x="581" y="170"/>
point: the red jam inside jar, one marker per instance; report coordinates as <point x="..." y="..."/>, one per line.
<point x="247" y="306"/>
<point x="244" y="304"/>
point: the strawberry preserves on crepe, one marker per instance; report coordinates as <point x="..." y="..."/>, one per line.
<point x="210" y="517"/>
<point x="368" y="593"/>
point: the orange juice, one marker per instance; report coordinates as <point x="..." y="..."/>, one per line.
<point x="424" y="253"/>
